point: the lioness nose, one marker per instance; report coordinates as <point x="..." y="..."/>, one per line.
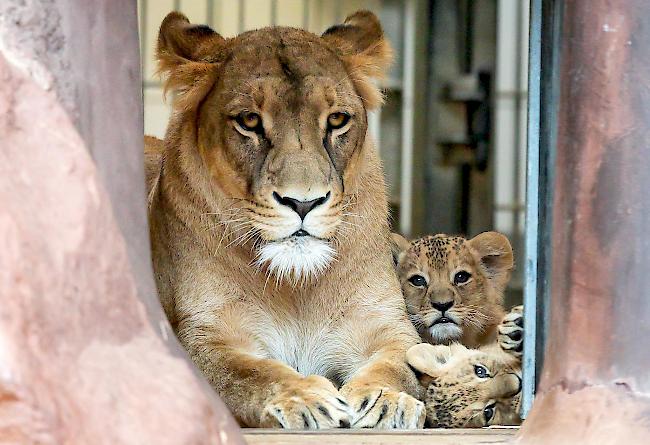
<point x="301" y="207"/>
<point x="442" y="307"/>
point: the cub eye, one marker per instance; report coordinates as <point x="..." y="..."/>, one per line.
<point x="250" y="121"/>
<point x="462" y="277"/>
<point x="481" y="372"/>
<point x="337" y="120"/>
<point x="488" y="412"/>
<point x="418" y="281"/>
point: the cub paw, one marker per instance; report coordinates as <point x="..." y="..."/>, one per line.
<point x="511" y="331"/>
<point x="312" y="403"/>
<point x="384" y="408"/>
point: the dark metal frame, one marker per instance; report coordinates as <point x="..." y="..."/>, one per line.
<point x="543" y="89"/>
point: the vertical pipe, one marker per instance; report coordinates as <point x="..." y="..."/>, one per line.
<point x="143" y="33"/>
<point x="274" y="12"/>
<point x="305" y="13"/>
<point x="242" y="17"/>
<point x="532" y="200"/>
<point x="516" y="192"/>
<point x="209" y="13"/>
<point x="408" y="86"/>
<point x="594" y="386"/>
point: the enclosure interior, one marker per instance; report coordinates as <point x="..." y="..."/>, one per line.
<point x="452" y="132"/>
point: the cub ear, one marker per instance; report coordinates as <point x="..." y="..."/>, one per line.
<point x="495" y="254"/>
<point x="366" y="53"/>
<point x="185" y="54"/>
<point x="398" y="245"/>
<point x="427" y="359"/>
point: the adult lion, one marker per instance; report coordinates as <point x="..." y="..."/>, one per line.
<point x="269" y="230"/>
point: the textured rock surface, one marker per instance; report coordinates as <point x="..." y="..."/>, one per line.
<point x="84" y="357"/>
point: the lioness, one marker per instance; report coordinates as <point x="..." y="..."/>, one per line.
<point x="268" y="219"/>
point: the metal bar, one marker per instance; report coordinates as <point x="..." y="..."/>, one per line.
<point x="209" y="12"/>
<point x="305" y="14"/>
<point x="274" y="12"/>
<point x="408" y="92"/>
<point x="242" y="16"/>
<point x="532" y="206"/>
<point x="338" y="11"/>
<point x="550" y="98"/>
<point x="177" y="5"/>
<point x="147" y="83"/>
<point x="143" y="35"/>
<point x="516" y="198"/>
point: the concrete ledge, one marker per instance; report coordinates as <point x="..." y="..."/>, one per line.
<point x="369" y="437"/>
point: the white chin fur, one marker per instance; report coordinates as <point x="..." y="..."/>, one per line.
<point x="445" y="332"/>
<point x="296" y="258"/>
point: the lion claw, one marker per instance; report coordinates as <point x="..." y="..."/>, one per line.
<point x="316" y="404"/>
<point x="511" y="332"/>
<point x="383" y="408"/>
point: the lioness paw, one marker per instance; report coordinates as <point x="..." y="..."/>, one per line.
<point x="313" y="403"/>
<point x="511" y="331"/>
<point x="384" y="408"/>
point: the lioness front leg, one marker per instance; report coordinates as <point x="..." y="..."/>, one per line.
<point x="381" y="393"/>
<point x="262" y="392"/>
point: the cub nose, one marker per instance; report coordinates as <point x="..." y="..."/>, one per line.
<point x="300" y="207"/>
<point x="442" y="307"/>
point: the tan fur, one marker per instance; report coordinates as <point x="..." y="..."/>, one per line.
<point x="456" y="397"/>
<point x="263" y="342"/>
<point x="477" y="304"/>
<point x="153" y="150"/>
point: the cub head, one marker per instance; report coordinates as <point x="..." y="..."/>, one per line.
<point x="467" y="388"/>
<point x="454" y="287"/>
<point x="271" y="126"/>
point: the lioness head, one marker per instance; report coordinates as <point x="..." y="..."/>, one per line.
<point x="276" y="120"/>
<point x="467" y="387"/>
<point x="454" y="287"/>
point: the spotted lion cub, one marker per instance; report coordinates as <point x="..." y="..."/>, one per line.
<point x="464" y="388"/>
<point x="453" y="286"/>
<point x="467" y="388"/>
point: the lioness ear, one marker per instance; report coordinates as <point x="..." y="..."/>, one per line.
<point x="185" y="54"/>
<point x="398" y="245"/>
<point x="427" y="359"/>
<point x="495" y="254"/>
<point x="361" y="44"/>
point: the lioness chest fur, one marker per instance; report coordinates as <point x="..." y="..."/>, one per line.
<point x="268" y="219"/>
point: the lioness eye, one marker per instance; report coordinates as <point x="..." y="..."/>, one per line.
<point x="488" y="412"/>
<point x="337" y="120"/>
<point x="418" y="281"/>
<point x="462" y="277"/>
<point x="481" y="372"/>
<point x="250" y="121"/>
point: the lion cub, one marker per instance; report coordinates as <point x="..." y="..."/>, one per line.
<point x="454" y="287"/>
<point x="465" y="388"/>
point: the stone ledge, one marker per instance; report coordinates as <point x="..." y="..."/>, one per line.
<point x="365" y="437"/>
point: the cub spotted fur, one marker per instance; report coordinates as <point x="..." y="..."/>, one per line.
<point x="453" y="287"/>
<point x="466" y="388"/>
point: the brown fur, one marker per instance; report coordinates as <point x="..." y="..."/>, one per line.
<point x="327" y="351"/>
<point x="456" y="397"/>
<point x="477" y="304"/>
